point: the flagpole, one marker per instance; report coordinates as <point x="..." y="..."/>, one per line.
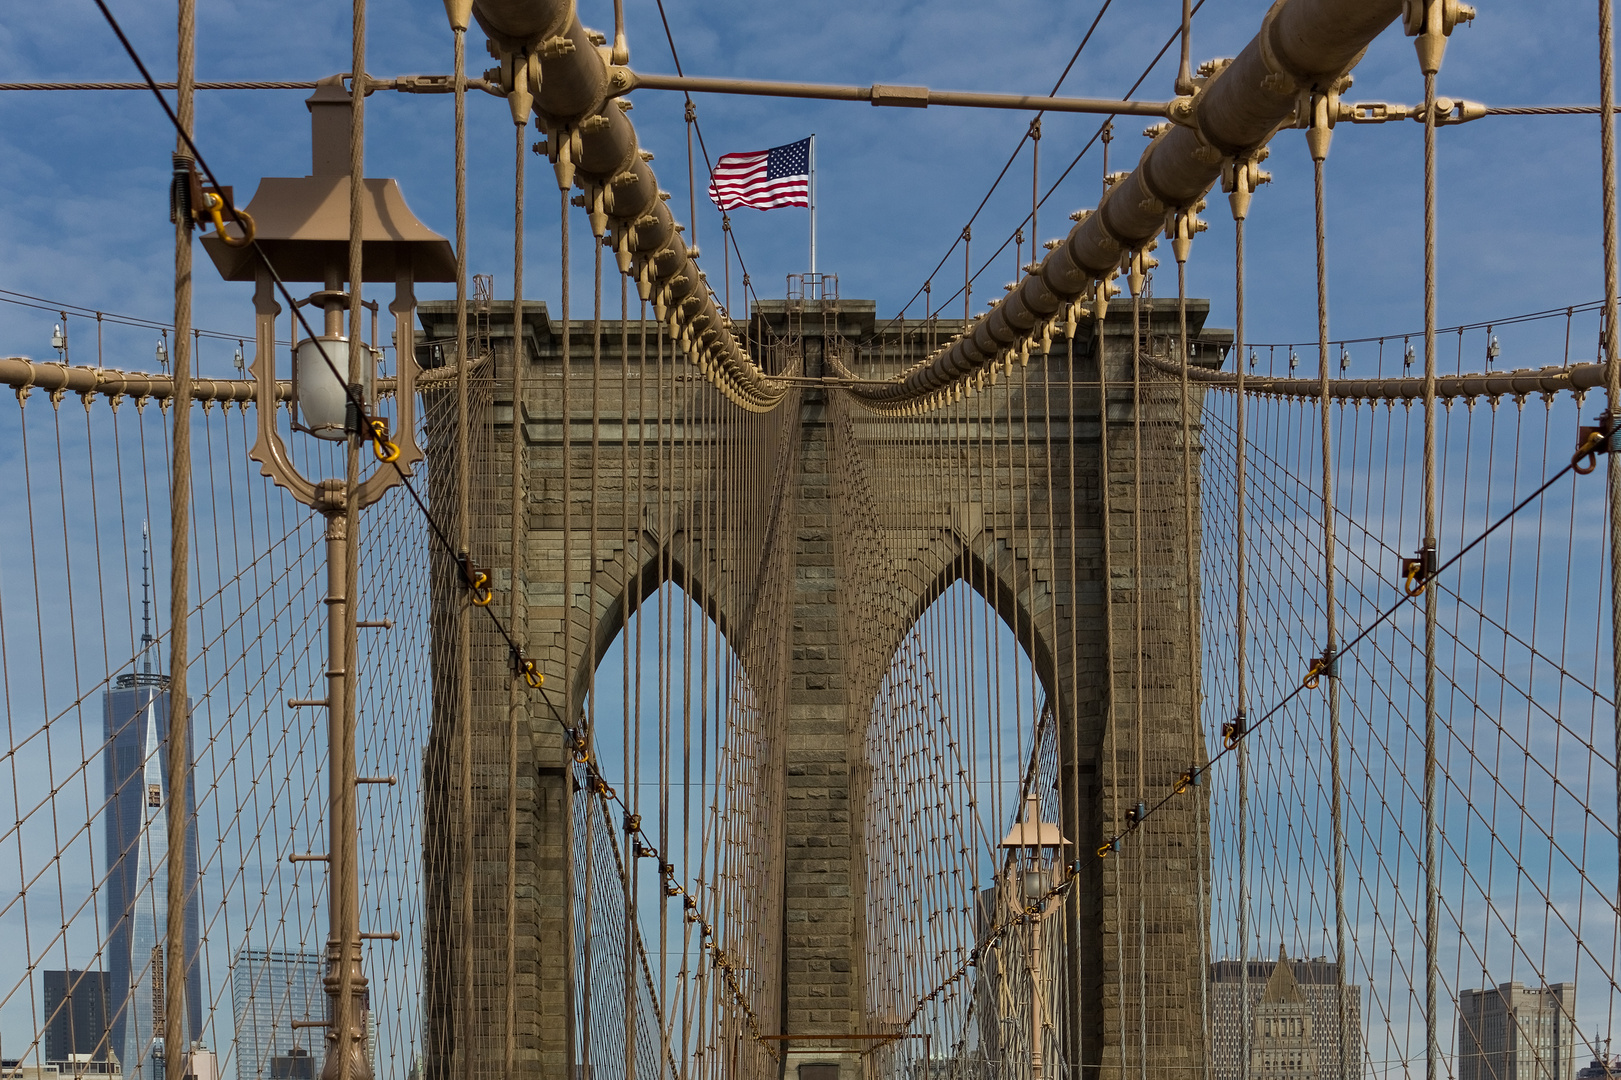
<point x="813" y="202"/>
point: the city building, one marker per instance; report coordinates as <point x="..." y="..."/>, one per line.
<point x="1294" y="1018"/>
<point x="83" y="1066"/>
<point x="136" y="766"/>
<point x="75" y="1013"/>
<point x="1603" y="1067"/>
<point x="1511" y="1032"/>
<point x="296" y="1064"/>
<point x="270" y="990"/>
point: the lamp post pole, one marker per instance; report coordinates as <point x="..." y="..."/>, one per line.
<point x="385" y="241"/>
<point x="1035" y="979"/>
<point x="1027" y="845"/>
<point x="345" y="982"/>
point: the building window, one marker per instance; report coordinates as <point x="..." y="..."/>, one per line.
<point x="154" y="795"/>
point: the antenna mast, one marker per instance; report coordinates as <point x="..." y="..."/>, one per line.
<point x="146" y="600"/>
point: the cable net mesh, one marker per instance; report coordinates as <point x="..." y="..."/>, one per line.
<point x="816" y="677"/>
<point x="85" y="661"/>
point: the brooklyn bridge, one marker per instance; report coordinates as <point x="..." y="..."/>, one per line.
<point x="652" y="674"/>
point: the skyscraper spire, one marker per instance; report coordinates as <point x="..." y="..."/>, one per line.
<point x="146" y="600"/>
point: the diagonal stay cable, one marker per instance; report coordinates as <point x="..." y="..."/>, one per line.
<point x="41" y="303"/>
<point x="1599" y="442"/>
<point x="1073" y="162"/>
<point x="351" y="392"/>
<point x="582" y="756"/>
<point x="728" y="236"/>
<point x="1012" y="157"/>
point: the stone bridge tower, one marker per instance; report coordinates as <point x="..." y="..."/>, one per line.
<point x="776" y="580"/>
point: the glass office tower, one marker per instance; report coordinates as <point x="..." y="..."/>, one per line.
<point x="136" y="756"/>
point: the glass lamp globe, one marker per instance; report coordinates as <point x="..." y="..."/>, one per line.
<point x="318" y="385"/>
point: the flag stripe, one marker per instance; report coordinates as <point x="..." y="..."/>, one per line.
<point x="763" y="179"/>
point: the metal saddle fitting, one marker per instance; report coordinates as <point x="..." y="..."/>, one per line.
<point x="1417" y="571"/>
<point x="475" y="580"/>
<point x="527" y="670"/>
<point x="1591" y="441"/>
<point x="1235" y="729"/>
<point x="199" y="206"/>
<point x="1325" y="666"/>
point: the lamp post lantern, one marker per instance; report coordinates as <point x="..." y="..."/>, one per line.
<point x="1036" y="851"/>
<point x="304" y="228"/>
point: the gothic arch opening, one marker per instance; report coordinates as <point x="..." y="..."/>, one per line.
<point x="671" y="861"/>
<point x="960" y="735"/>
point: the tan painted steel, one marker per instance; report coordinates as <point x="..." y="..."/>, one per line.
<point x="1545" y="380"/>
<point x="1303" y="46"/>
<point x="22" y="374"/>
<point x="302" y="222"/>
<point x="915" y="97"/>
<point x="555" y="66"/>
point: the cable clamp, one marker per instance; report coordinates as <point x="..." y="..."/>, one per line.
<point x="1322" y="666"/>
<point x="1417" y="571"/>
<point x="526" y="669"/>
<point x="1135" y="815"/>
<point x="476" y="581"/>
<point x="191" y="202"/>
<point x="1105" y="849"/>
<point x="1188" y="779"/>
<point x="217" y="202"/>
<point x="1235" y="729"/>
<point x="184" y="192"/>
<point x="599" y="786"/>
<point x="1591" y="442"/>
<point x="579" y="746"/>
<point x="386" y="450"/>
<point x="633" y="823"/>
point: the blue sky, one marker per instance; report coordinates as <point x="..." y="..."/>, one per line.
<point x="85" y="175"/>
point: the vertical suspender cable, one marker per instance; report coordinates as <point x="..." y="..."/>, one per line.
<point x="967" y="280"/>
<point x="1140" y="853"/>
<point x="1318" y="140"/>
<point x="1072" y="509"/>
<point x="1111" y="733"/>
<point x="516" y="616"/>
<point x="464" y="699"/>
<point x="1432" y="914"/>
<point x="1241" y="598"/>
<point x="566" y="491"/>
<point x="692" y="181"/>
<point x="175" y="1026"/>
<point x="1612" y="369"/>
<point x="621" y="47"/>
<point x="343" y="855"/>
<point x="1191" y="572"/>
<point x="1184" y="69"/>
<point x="1035" y="191"/>
<point x="632" y="706"/>
<point x="590" y="656"/>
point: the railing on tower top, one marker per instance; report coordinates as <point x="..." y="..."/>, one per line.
<point x="821" y="289"/>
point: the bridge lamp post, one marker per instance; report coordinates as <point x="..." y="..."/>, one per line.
<point x="303" y="230"/>
<point x="1036" y="850"/>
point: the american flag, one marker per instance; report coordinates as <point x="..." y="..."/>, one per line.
<point x="763" y="179"/>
